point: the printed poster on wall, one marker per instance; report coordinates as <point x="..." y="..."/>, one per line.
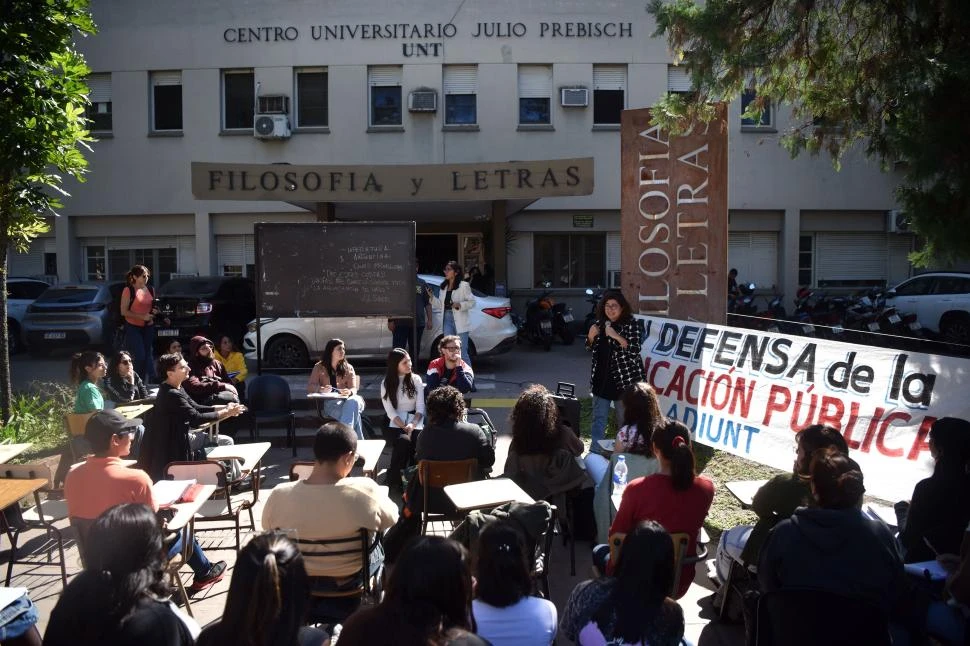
<point x="747" y="392"/>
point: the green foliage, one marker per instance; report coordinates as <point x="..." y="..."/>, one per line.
<point x="891" y="77"/>
<point x="37" y="416"/>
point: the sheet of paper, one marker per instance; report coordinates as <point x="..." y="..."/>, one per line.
<point x="166" y="492"/>
<point x="9" y="595"/>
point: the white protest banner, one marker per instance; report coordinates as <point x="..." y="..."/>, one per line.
<point x="748" y="391"/>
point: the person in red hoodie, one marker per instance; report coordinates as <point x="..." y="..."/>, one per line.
<point x="208" y="383"/>
<point x="449" y="369"/>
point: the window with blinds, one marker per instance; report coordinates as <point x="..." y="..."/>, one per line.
<point x="312" y="98"/>
<point x="99" y="111"/>
<point x="609" y="93"/>
<point x="535" y="94"/>
<point x="678" y="80"/>
<point x="238" y="99"/>
<point x="460" y="84"/>
<point x="166" y="101"/>
<point x="384" y="84"/>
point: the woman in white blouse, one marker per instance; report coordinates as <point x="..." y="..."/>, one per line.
<point x="456" y="300"/>
<point x="402" y="394"/>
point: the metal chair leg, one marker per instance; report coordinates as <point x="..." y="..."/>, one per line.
<point x="14" y="539"/>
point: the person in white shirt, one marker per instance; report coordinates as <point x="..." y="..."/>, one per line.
<point x="505" y="613"/>
<point x="402" y="394"/>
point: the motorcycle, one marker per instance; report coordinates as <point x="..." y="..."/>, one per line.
<point x="562" y="319"/>
<point x="593" y="297"/>
<point x="538" y="325"/>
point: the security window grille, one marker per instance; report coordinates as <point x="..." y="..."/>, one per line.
<point x="99" y="111"/>
<point x="238" y="99"/>
<point x="535" y="94"/>
<point x="609" y="90"/>
<point x="312" y="96"/>
<point x="460" y="85"/>
<point x="569" y="260"/>
<point x="384" y="82"/>
<point x="747" y="96"/>
<point x="806" y="257"/>
<point x="166" y="101"/>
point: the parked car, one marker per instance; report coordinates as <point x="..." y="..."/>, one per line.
<point x="298" y="342"/>
<point x="940" y="300"/>
<point x="75" y="316"/>
<point x="206" y="305"/>
<point x="21" y="292"/>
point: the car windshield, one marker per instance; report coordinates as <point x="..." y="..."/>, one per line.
<point x="68" y="295"/>
<point x="190" y="287"/>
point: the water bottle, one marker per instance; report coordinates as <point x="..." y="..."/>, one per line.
<point x="619" y="474"/>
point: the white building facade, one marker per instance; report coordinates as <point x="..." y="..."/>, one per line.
<point x="424" y="82"/>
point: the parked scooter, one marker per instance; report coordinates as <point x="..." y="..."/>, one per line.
<point x="538" y="324"/>
<point x="562" y="321"/>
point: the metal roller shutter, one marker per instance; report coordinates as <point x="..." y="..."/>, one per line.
<point x="460" y="79"/>
<point x="235" y="250"/>
<point x="167" y="78"/>
<point x="609" y="77"/>
<point x="677" y="79"/>
<point x="613" y="251"/>
<point x="851" y="257"/>
<point x="535" y="81"/>
<point x="99" y="88"/>
<point x="384" y="75"/>
<point x="755" y="255"/>
<point x="900" y="246"/>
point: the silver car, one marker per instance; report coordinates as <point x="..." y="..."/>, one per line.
<point x="298" y="342"/>
<point x="73" y="316"/>
<point x="21" y="292"/>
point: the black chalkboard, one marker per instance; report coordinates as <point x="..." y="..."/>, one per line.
<point x="335" y="269"/>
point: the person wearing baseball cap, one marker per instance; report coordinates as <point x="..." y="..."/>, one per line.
<point x="103" y="481"/>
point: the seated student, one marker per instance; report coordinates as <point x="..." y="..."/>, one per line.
<point x="948" y="618"/>
<point x="402" y="395"/>
<point x="449" y="369"/>
<point x="169" y="436"/>
<point x="87" y="371"/>
<point x="632" y="606"/>
<point x="104" y="481"/>
<point x="675" y="496"/>
<point x="234" y="362"/>
<point x="208" y="383"/>
<point x="333" y="373"/>
<point x="940" y="507"/>
<point x="777" y="499"/>
<point x="268" y="598"/>
<point x="122" y="383"/>
<point x="427" y="601"/>
<point x="122" y="597"/>
<point x="504" y="609"/>
<point x="328" y="504"/>
<point x="832" y="546"/>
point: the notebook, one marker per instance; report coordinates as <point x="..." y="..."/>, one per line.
<point x="169" y="492"/>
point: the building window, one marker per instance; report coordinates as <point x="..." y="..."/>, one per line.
<point x="166" y="101"/>
<point x="94" y="263"/>
<point x="535" y="94"/>
<point x="99" y="111"/>
<point x="806" y="256"/>
<point x="609" y="93"/>
<point x="569" y="260"/>
<point x="238" y="99"/>
<point x="460" y="85"/>
<point x="162" y="262"/>
<point x="747" y="97"/>
<point x="678" y="80"/>
<point x="384" y="82"/>
<point x="312" y="95"/>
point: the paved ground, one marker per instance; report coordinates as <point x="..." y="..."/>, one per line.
<point x="500" y="380"/>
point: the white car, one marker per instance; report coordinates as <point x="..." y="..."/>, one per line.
<point x="299" y="342"/>
<point x="21" y="292"/>
<point x="940" y="300"/>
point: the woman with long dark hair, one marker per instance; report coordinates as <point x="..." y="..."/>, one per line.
<point x="402" y="393"/>
<point x="123" y="384"/>
<point x="675" y="496"/>
<point x="121" y="597"/>
<point x="334" y="374"/>
<point x="138" y="312"/>
<point x="456" y="300"/>
<point x="632" y="606"/>
<point x="268" y="598"/>
<point x="427" y="601"/>
<point x="87" y="370"/>
<point x="641" y="413"/>
<point x="504" y="609"/>
<point x="615" y="341"/>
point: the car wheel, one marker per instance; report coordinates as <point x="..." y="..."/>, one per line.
<point x="14" y="344"/>
<point x="955" y="328"/>
<point x="286" y="352"/>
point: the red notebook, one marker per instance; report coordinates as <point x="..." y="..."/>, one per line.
<point x="191" y="493"/>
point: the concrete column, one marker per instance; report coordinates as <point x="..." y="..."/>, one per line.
<point x="499" y="258"/>
<point x="68" y="251"/>
<point x="205" y="245"/>
<point x="326" y="212"/>
<point x="788" y="254"/>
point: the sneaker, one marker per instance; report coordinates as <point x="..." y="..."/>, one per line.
<point x="214" y="574"/>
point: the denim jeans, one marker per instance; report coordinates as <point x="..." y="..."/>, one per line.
<point x="197" y="560"/>
<point x="138" y="341"/>
<point x="601" y="411"/>
<point x="17" y="618"/>
<point x="346" y="411"/>
<point x="448" y="327"/>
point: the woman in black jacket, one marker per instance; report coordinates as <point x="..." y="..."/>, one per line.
<point x="615" y="342"/>
<point x="169" y="436"/>
<point x="122" y="383"/>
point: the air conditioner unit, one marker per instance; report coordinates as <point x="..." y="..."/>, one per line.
<point x="897" y="221"/>
<point x="423" y="100"/>
<point x="271" y="126"/>
<point x="273" y="104"/>
<point x="574" y="97"/>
